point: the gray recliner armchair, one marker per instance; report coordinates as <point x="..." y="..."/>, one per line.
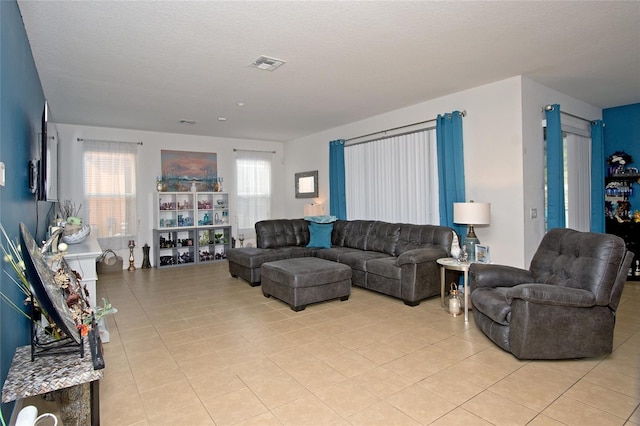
<point x="564" y="306"/>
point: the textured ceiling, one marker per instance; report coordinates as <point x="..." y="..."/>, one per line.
<point x="148" y="64"/>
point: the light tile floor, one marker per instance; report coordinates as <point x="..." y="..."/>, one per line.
<point x="193" y="346"/>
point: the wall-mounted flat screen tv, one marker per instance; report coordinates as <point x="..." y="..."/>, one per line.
<point x="48" y="170"/>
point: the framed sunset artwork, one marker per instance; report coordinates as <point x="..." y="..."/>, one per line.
<point x="182" y="170"/>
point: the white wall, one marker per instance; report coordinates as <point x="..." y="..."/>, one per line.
<point x="504" y="146"/>
<point x="503" y="142"/>
<point x="493" y="158"/>
<point x="71" y="178"/>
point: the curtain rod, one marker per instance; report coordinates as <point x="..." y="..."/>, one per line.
<point x="550" y="108"/>
<point x="101" y="140"/>
<point x="252" y="150"/>
<point x="463" y="113"/>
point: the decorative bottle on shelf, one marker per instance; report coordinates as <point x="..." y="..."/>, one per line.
<point x="636" y="272"/>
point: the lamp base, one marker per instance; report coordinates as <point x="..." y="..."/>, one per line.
<point x="470" y="242"/>
<point x="470" y="245"/>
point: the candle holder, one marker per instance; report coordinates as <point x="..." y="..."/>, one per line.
<point x="454" y="306"/>
<point x="132" y="245"/>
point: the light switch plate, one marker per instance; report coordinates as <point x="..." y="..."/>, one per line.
<point x="2" y="174"/>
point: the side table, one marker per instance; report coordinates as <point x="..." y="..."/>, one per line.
<point x="73" y="381"/>
<point x="453" y="265"/>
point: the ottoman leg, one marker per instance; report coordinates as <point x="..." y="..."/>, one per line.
<point x="298" y="308"/>
<point x="266" y="295"/>
<point x="343" y="298"/>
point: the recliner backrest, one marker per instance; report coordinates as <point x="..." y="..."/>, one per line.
<point x="583" y="260"/>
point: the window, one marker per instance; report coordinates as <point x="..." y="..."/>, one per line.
<point x="576" y="152"/>
<point x="110" y="176"/>
<point x="253" y="186"/>
<point x="393" y="179"/>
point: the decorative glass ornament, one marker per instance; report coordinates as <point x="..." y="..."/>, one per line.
<point x="455" y="246"/>
<point x="464" y="256"/>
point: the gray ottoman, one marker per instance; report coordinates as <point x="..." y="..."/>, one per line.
<point x="305" y="280"/>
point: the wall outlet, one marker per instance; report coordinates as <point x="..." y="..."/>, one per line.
<point x="2" y="174"/>
<point x="534" y="213"/>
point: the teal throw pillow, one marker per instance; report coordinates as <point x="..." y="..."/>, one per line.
<point x="320" y="235"/>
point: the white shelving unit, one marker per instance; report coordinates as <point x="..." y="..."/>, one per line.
<point x="191" y="227"/>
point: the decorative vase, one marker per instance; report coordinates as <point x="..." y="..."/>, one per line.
<point x="145" y="257"/>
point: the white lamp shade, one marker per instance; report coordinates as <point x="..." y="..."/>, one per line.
<point x="313" y="209"/>
<point x="472" y="213"/>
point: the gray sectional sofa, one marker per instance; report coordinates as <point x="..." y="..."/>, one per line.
<point x="395" y="259"/>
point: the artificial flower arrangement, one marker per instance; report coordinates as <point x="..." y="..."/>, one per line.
<point x="75" y="295"/>
<point x="619" y="158"/>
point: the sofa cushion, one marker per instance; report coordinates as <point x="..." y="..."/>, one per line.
<point x="385" y="267"/>
<point x="383" y="237"/>
<point x="334" y="253"/>
<point x="295" y="251"/>
<point x="358" y="259"/>
<point x="357" y="234"/>
<point x="252" y="257"/>
<point x="340" y="230"/>
<point x="419" y="236"/>
<point x="282" y="232"/>
<point x="320" y="235"/>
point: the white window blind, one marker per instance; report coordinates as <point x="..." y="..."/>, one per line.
<point x="577" y="176"/>
<point x="253" y="186"/>
<point x="393" y="179"/>
<point x="110" y="176"/>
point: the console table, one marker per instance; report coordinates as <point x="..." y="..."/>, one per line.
<point x="73" y="381"/>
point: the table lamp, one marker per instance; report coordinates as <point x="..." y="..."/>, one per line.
<point x="471" y="214"/>
<point x="313" y="209"/>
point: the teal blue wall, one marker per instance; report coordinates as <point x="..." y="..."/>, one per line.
<point x="622" y="133"/>
<point x="21" y="103"/>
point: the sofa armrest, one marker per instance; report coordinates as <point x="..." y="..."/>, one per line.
<point x="420" y="255"/>
<point x="487" y="275"/>
<point x="546" y="294"/>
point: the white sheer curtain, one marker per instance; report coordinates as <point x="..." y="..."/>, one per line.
<point x="578" y="182"/>
<point x="110" y="176"/>
<point x="393" y="179"/>
<point x="253" y="186"/>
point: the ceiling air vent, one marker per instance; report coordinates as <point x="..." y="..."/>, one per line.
<point x="268" y="64"/>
